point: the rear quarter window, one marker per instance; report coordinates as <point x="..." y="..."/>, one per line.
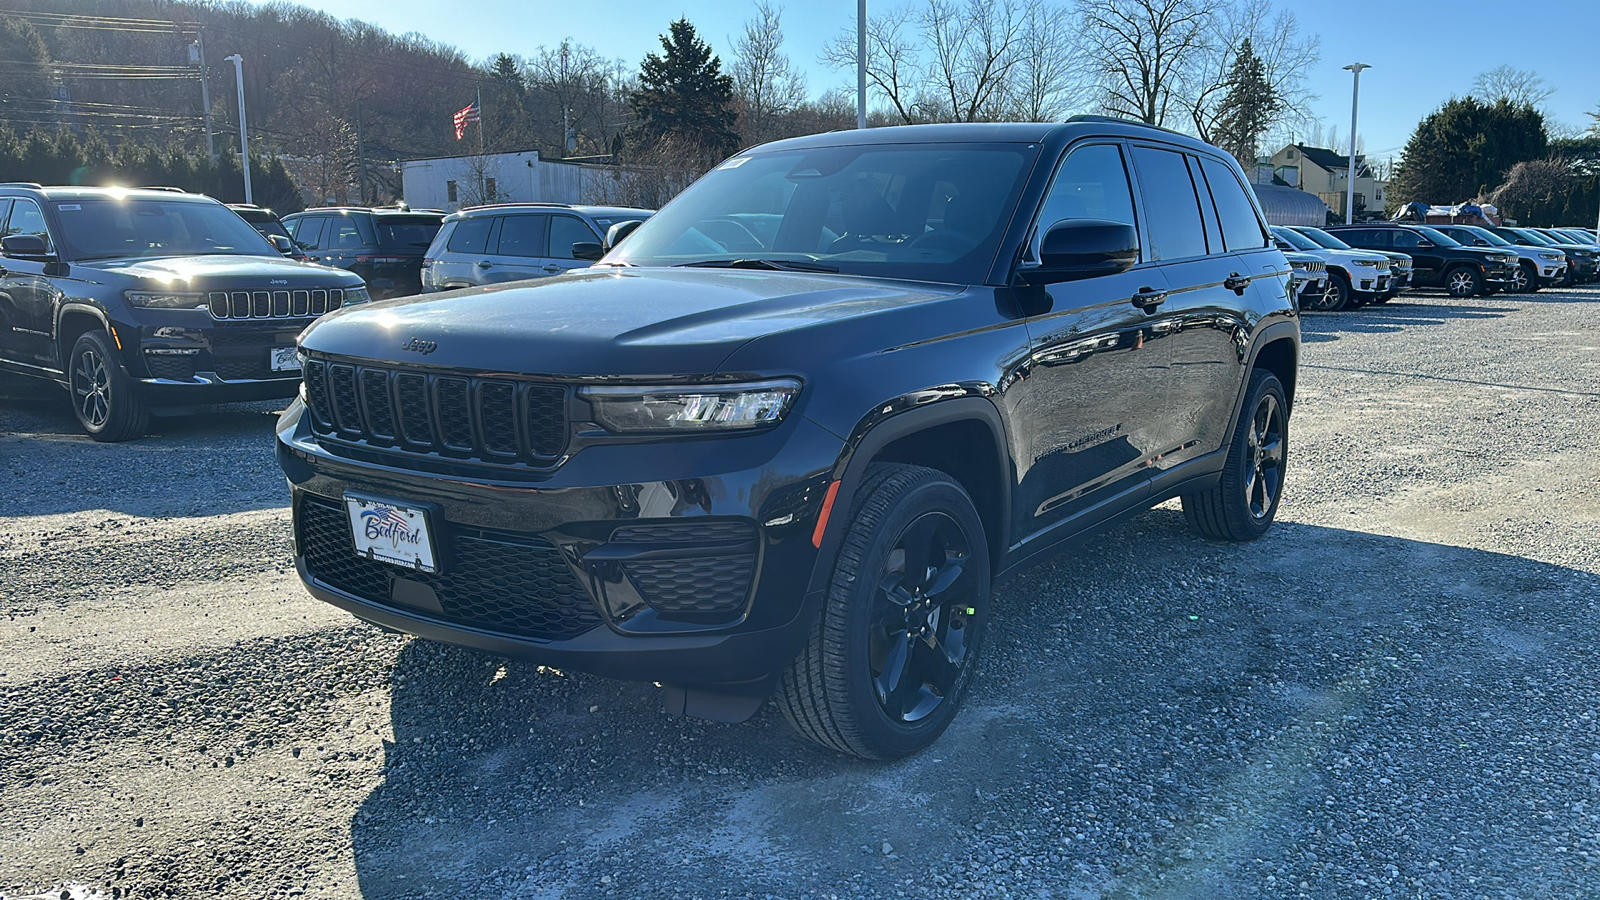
<point x="1241" y="227"/>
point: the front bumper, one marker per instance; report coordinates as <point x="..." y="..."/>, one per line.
<point x="187" y="357"/>
<point x="699" y="569"/>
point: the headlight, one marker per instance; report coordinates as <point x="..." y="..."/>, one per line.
<point x="352" y="296"/>
<point x="1369" y="263"/>
<point x="165" y="299"/>
<point x="692" y="408"/>
<point x="1549" y="256"/>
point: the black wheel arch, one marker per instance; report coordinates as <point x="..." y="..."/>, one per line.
<point x="72" y="320"/>
<point x="966" y="429"/>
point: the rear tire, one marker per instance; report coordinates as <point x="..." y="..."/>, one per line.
<point x="891" y="655"/>
<point x="1243" y="503"/>
<point x="104" y="396"/>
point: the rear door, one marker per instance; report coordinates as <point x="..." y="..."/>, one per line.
<point x="516" y="250"/>
<point x="465" y="247"/>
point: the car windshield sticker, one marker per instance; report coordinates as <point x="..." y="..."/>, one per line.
<point x="65" y="207"/>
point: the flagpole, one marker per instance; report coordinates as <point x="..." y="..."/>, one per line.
<point x="483" y="181"/>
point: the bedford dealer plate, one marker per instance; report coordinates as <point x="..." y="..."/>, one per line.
<point x="391" y="532"/>
<point x="285" y="359"/>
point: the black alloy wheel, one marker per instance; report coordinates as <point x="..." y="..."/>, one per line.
<point x="1244" y="501"/>
<point x="1463" y="281"/>
<point x="891" y="656"/>
<point x="103" y="395"/>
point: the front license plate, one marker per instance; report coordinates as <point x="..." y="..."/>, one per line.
<point x="285" y="359"/>
<point x="391" y="532"/>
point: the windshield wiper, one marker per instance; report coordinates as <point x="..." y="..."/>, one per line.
<point x="782" y="265"/>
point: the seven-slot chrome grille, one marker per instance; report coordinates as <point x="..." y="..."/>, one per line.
<point x="273" y="304"/>
<point x="490" y="419"/>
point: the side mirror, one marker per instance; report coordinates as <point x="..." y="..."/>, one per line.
<point x="282" y="243"/>
<point x="1479" y="242"/>
<point x="587" y="250"/>
<point x="1074" y="249"/>
<point x="1424" y="244"/>
<point x="26" y="246"/>
<point x="616" y="233"/>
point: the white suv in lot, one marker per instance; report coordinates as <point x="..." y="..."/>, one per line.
<point x="1355" y="277"/>
<point x="1537" y="267"/>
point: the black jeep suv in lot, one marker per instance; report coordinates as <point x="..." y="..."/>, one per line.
<point x="141" y="299"/>
<point x="1437" y="260"/>
<point x="384" y="246"/>
<point x="787" y="436"/>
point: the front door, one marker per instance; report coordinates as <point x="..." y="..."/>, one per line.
<point x="1084" y="411"/>
<point x="29" y="298"/>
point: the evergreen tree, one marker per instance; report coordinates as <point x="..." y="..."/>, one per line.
<point x="683" y="94"/>
<point x="1463" y="150"/>
<point x="1248" y="108"/>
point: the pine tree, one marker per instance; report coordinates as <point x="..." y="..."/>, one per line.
<point x="683" y="94"/>
<point x="1464" y="149"/>
<point x="1248" y="108"/>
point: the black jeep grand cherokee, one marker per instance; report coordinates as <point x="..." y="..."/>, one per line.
<point x="133" y="299"/>
<point x="788" y="435"/>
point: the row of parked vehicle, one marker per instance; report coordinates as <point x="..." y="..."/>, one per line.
<point x="1346" y="266"/>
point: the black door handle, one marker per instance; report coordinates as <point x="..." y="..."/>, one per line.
<point x="1149" y="298"/>
<point x="485" y="264"/>
<point x="552" y="269"/>
<point x="1236" y="283"/>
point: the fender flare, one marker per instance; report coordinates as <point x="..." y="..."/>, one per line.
<point x="878" y="430"/>
<point x="1270" y="334"/>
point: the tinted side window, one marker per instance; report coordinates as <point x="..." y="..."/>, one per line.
<point x="1402" y="240"/>
<point x="1171" y="208"/>
<point x="27" y="218"/>
<point x="1362" y="237"/>
<point x="1091" y="184"/>
<point x="471" y="235"/>
<point x="566" y="231"/>
<point x="522" y="235"/>
<point x="1241" y="228"/>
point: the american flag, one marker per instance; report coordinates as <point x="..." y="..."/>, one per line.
<point x="465" y="117"/>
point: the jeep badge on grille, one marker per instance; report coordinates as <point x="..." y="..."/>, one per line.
<point x="420" y="346"/>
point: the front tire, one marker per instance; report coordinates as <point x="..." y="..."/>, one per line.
<point x="1340" y="295"/>
<point x="1243" y="503"/>
<point x="104" y="396"/>
<point x="1463" y="281"/>
<point x="1525" y="280"/>
<point x="891" y="655"/>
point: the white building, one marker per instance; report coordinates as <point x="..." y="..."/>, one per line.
<point x="452" y="182"/>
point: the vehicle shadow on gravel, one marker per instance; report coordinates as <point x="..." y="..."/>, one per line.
<point x="1396" y="315"/>
<point x="211" y="460"/>
<point x="1156" y="714"/>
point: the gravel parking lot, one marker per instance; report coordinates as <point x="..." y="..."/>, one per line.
<point x="1393" y="694"/>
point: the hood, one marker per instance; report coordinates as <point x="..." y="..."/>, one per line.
<point x="608" y="321"/>
<point x="1343" y="257"/>
<point x="220" y="272"/>
<point x="1499" y="253"/>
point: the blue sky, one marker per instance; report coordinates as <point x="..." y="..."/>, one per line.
<point x="1421" y="53"/>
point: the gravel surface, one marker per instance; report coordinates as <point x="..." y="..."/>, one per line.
<point x="1392" y="694"/>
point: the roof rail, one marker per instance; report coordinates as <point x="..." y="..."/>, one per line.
<point x="1122" y="120"/>
<point x="516" y="203"/>
<point x="27" y="184"/>
<point x="162" y="187"/>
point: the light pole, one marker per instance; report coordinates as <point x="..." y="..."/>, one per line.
<point x="1350" y="180"/>
<point x="244" y="139"/>
<point x="861" y="63"/>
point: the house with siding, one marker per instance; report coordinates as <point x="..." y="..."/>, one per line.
<point x="1320" y="171"/>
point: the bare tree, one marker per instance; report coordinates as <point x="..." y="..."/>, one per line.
<point x="1516" y="86"/>
<point x="965" y="60"/>
<point x="563" y="81"/>
<point x="765" y="82"/>
<point x="1148" y="51"/>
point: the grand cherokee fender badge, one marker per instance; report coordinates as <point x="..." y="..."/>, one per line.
<point x="420" y="346"/>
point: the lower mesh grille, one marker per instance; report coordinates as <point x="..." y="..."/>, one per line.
<point x="507" y="583"/>
<point x="173" y="368"/>
<point x="712" y="576"/>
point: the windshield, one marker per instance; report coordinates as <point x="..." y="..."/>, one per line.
<point x="1294" y="239"/>
<point x="407" y="232"/>
<point x="1533" y="236"/>
<point x="1324" y="239"/>
<point x="1491" y="237"/>
<point x="111" y="228"/>
<point x="933" y="212"/>
<point x="1577" y="237"/>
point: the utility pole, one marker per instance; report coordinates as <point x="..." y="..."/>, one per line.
<point x="361" y="154"/>
<point x="861" y="63"/>
<point x="1350" y="186"/>
<point x="244" y="139"/>
<point x="197" y="53"/>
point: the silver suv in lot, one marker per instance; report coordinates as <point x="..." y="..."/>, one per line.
<point x="516" y="241"/>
